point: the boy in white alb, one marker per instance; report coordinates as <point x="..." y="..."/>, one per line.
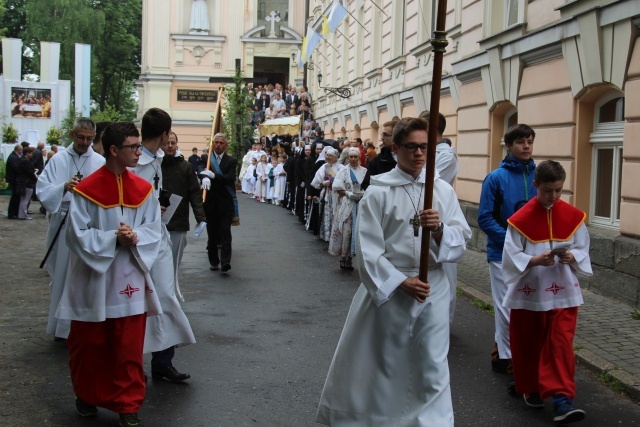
<point x="113" y="234"/>
<point x="546" y="244"/>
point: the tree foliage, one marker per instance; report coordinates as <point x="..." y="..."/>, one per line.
<point x="237" y="115"/>
<point x="111" y="27"/>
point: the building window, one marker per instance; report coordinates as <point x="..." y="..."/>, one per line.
<point x="502" y="14"/>
<point x="606" y="174"/>
<point x="280" y="7"/>
<point x="510" y="119"/>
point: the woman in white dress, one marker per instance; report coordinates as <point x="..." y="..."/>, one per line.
<point x="323" y="180"/>
<point x="346" y="195"/>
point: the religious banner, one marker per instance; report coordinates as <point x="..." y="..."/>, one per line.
<point x="196" y="95"/>
<point x="30" y="103"/>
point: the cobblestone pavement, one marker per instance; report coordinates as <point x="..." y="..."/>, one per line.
<point x="607" y="337"/>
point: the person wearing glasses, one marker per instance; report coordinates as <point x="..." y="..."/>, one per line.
<point x="386" y="160"/>
<point x="54" y="188"/>
<point x="171" y="328"/>
<point x="390" y="367"/>
<point x="114" y="231"/>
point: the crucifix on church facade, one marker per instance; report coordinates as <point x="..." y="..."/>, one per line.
<point x="273" y="17"/>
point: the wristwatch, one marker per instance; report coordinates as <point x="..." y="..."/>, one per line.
<point x="438" y="229"/>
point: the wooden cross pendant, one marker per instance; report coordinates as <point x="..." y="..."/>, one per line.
<point x="415" y="221"/>
<point x="155" y="181"/>
<point x="79" y="176"/>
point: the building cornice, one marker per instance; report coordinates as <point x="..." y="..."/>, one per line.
<point x="198" y="38"/>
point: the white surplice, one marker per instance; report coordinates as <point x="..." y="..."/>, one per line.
<point x="172" y="326"/>
<point x="326" y="172"/>
<point x="106" y="280"/>
<point x="543" y="288"/>
<point x="390" y="367"/>
<point x="50" y="191"/>
<point x="280" y="182"/>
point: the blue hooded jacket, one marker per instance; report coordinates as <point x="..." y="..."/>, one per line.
<point x="504" y="191"/>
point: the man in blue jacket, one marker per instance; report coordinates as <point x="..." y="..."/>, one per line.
<point x="504" y="191"/>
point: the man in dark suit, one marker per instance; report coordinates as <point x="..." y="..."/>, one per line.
<point x="220" y="205"/>
<point x="385" y="160"/>
<point x="37" y="159"/>
<point x="12" y="174"/>
<point x="291" y="99"/>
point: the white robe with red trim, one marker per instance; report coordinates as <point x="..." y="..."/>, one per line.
<point x="106" y="280"/>
<point x="543" y="288"/>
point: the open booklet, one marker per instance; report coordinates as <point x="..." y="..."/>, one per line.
<point x="174" y="201"/>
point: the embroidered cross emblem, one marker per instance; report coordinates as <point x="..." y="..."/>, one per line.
<point x="527" y="290"/>
<point x="128" y="291"/>
<point x="554" y="288"/>
<point x="148" y="289"/>
<point x="576" y="285"/>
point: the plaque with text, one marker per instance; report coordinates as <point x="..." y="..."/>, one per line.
<point x="192" y="95"/>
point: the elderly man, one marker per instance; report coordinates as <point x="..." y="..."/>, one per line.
<point x="55" y="185"/>
<point x="390" y="366"/>
<point x="220" y="205"/>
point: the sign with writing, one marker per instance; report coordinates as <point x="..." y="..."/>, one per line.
<point x="193" y="95"/>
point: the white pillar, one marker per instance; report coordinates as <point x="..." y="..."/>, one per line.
<point x="12" y="59"/>
<point x="83" y="79"/>
<point x="49" y="62"/>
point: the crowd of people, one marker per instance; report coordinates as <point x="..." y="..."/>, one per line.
<point x="274" y="101"/>
<point x="118" y="206"/>
<point x="369" y="207"/>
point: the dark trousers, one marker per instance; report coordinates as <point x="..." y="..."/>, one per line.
<point x="219" y="231"/>
<point x="162" y="359"/>
<point x="14" y="202"/>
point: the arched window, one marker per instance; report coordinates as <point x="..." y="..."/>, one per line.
<point x="606" y="174"/>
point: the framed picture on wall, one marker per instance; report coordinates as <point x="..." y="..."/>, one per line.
<point x="30" y="103"/>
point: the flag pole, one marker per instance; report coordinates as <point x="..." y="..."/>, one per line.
<point x="439" y="43"/>
<point x="216" y="125"/>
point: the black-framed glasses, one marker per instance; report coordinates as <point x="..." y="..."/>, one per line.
<point x="412" y="147"/>
<point x="133" y="147"/>
<point x="83" y="138"/>
<point x="386" y="135"/>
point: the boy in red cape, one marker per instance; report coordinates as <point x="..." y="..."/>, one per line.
<point x="113" y="235"/>
<point x="546" y="244"/>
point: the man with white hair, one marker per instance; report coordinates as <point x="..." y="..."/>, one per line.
<point x="220" y="205"/>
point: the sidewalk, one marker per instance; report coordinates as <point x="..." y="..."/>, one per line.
<point x="607" y="338"/>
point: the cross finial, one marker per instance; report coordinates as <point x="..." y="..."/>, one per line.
<point x="273" y="18"/>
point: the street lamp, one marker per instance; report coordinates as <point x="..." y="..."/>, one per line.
<point x="342" y="92"/>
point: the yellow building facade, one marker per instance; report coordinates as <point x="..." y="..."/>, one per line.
<point x="187" y="42"/>
<point x="568" y="68"/>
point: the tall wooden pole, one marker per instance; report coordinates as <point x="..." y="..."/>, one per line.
<point x="216" y="125"/>
<point x="439" y="43"/>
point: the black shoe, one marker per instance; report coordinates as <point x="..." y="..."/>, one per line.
<point x="43" y="211"/>
<point x="214" y="267"/>
<point x="170" y="374"/>
<point x="226" y="267"/>
<point x="13" y="216"/>
<point x="130" y="420"/>
<point x="500" y="366"/>
<point x="84" y="409"/>
<point x="29" y="212"/>
<point x="533" y="400"/>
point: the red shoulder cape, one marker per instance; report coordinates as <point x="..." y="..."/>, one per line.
<point x="109" y="190"/>
<point x="539" y="224"/>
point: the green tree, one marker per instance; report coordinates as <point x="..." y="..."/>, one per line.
<point x="237" y="115"/>
<point x="111" y="27"/>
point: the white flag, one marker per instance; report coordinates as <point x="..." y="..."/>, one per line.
<point x="313" y="39"/>
<point x="337" y="14"/>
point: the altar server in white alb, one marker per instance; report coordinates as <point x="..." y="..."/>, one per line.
<point x="172" y="327"/>
<point x="390" y="367"/>
<point x="55" y="185"/>
<point x="545" y="245"/>
<point x="113" y="234"/>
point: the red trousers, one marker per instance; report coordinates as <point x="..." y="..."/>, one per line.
<point x="106" y="362"/>
<point x="542" y="351"/>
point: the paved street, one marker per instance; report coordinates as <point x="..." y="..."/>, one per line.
<point x="266" y="333"/>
